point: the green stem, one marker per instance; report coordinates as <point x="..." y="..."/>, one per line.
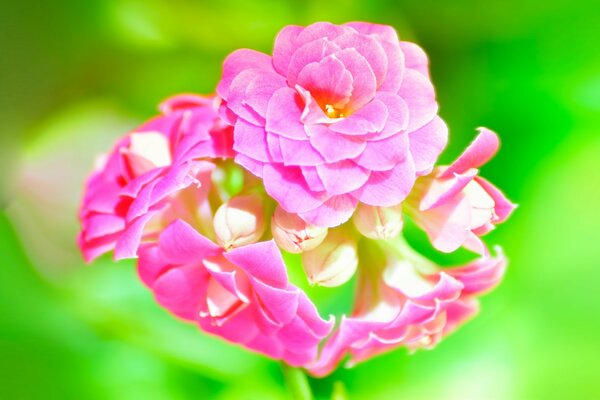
<point x="296" y="382"/>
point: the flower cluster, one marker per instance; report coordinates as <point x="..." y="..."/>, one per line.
<point x="317" y="152"/>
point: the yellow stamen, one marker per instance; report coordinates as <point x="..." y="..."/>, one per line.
<point x="331" y="112"/>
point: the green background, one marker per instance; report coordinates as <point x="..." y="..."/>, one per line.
<point x="74" y="75"/>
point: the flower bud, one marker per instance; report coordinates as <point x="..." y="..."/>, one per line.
<point x="333" y="262"/>
<point x="293" y="234"/>
<point x="146" y="151"/>
<point x="240" y="221"/>
<point x="378" y="222"/>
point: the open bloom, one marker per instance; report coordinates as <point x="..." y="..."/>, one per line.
<point x="340" y="114"/>
<point x="454" y="205"/>
<point x="242" y="295"/>
<point x="411" y="303"/>
<point x="139" y="187"/>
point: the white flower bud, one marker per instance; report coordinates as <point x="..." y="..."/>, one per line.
<point x="293" y="234"/>
<point x="333" y="262"/>
<point x="378" y="222"/>
<point x="240" y="221"/>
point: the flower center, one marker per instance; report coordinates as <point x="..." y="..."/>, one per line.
<point x="332" y="112"/>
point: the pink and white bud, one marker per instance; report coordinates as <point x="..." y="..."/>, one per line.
<point x="293" y="234"/>
<point x="145" y="152"/>
<point x="379" y="222"/>
<point x="240" y="221"/>
<point x="333" y="262"/>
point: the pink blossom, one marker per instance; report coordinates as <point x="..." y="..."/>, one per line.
<point x="454" y="205"/>
<point x="410" y="304"/>
<point x="139" y="186"/>
<point x="242" y="295"/>
<point x="340" y="114"/>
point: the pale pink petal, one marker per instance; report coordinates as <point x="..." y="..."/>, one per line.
<point x="502" y="206"/>
<point x="320" y="30"/>
<point x="480" y="151"/>
<point x="312" y="178"/>
<point x="441" y="191"/>
<point x="447" y="225"/>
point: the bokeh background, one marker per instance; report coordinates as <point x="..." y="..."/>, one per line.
<point x="74" y="75"/>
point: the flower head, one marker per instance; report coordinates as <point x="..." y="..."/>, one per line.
<point x="455" y="206"/>
<point x="408" y="302"/>
<point x="242" y="295"/>
<point x="346" y="100"/>
<point x="141" y="185"/>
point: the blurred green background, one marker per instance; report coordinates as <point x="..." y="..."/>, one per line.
<point x="74" y="75"/>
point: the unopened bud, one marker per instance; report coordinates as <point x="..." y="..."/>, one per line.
<point x="240" y="221"/>
<point x="293" y="234"/>
<point x="146" y="151"/>
<point x="378" y="222"/>
<point x="333" y="262"/>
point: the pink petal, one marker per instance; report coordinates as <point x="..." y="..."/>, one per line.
<point x="388" y="188"/>
<point x="369" y="119"/>
<point x="239" y="61"/>
<point x="342" y="177"/>
<point x="415" y="58"/>
<point x="250" y="140"/>
<point x="310" y="52"/>
<point x="180" y="243"/>
<point x="299" y="152"/>
<point x="441" y="191"/>
<point x="288" y="187"/>
<point x="320" y="30"/>
<point x="503" y="207"/>
<point x="334" y="146"/>
<point x="418" y="93"/>
<point x="370" y="49"/>
<point x="383" y="155"/>
<point x="183" y="102"/>
<point x="283" y="114"/>
<point x="312" y="178"/>
<point x="447" y="225"/>
<point x="333" y="212"/>
<point x="285" y="46"/>
<point x="328" y="81"/>
<point x="479" y="152"/>
<point x="261" y="261"/>
<point x="179" y="290"/>
<point x="364" y="82"/>
<point x="426" y="144"/>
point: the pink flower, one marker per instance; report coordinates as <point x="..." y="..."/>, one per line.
<point x="455" y="206"/>
<point x="139" y="187"/>
<point x="340" y="114"/>
<point x="242" y="295"/>
<point x="411" y="303"/>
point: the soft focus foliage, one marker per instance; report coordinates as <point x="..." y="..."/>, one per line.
<point x="76" y="75"/>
